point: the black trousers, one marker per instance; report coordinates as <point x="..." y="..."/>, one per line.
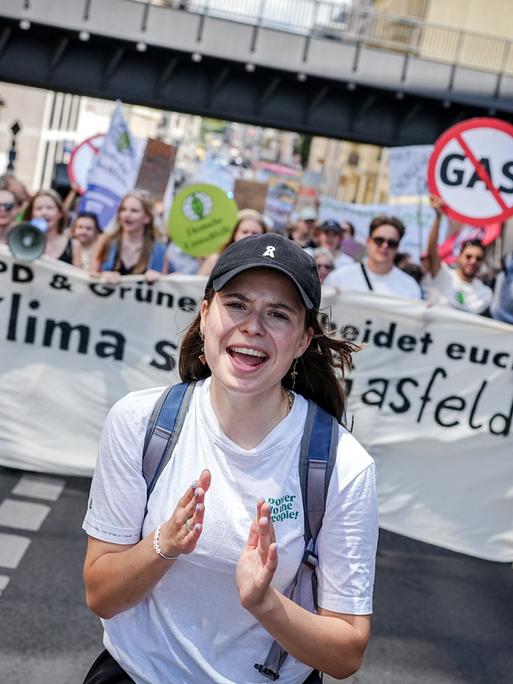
<point x="105" y="670"/>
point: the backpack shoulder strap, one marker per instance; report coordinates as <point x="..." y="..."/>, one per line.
<point x="316" y="463"/>
<point x="317" y="459"/>
<point x="163" y="431"/>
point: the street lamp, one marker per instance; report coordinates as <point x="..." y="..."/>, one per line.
<point x="15" y="129"/>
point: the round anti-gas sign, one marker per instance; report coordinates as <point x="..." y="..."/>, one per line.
<point x="201" y="219"/>
<point x="81" y="160"/>
<point x="471" y="169"/>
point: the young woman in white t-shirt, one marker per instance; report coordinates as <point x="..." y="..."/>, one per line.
<point x="191" y="589"/>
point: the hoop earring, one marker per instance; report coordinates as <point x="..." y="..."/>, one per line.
<point x="293" y="373"/>
<point x="202" y="358"/>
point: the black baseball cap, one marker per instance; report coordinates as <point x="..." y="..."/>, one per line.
<point x="271" y="251"/>
<point x="332" y="225"/>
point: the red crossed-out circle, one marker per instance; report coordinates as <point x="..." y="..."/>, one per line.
<point x="434" y="182"/>
<point x="95" y="144"/>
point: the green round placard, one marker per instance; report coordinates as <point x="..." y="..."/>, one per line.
<point x="201" y="219"/>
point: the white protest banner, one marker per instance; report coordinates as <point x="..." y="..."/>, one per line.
<point x="432" y="400"/>
<point x="69" y="348"/>
<point x="407" y="170"/>
<point x="471" y="169"/>
<point x="417" y="219"/>
<point x="431" y="394"/>
<point x="114" y="171"/>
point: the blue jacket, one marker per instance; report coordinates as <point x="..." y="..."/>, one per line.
<point x="155" y="262"/>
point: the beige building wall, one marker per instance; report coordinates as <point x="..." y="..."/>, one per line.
<point x="494" y="17"/>
<point x="30" y="107"/>
<point x="410" y="8"/>
<point x="351" y="172"/>
<point x="488" y="28"/>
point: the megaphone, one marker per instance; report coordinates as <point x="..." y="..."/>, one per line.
<point x="27" y="240"/>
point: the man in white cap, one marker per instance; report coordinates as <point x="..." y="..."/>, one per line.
<point x="303" y="231"/>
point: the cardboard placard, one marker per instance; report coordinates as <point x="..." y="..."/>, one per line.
<point x="250" y="194"/>
<point x="156" y="167"/>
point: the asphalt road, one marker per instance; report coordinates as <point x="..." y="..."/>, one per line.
<point x="440" y="617"/>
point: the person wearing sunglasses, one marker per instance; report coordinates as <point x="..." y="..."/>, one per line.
<point x="376" y="272"/>
<point x="458" y="287"/>
<point x="8" y="209"/>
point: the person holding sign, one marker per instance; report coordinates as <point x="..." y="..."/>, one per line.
<point x="191" y="582"/>
<point x="132" y="247"/>
<point x="458" y="287"/>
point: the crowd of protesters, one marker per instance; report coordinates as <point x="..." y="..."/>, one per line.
<point x="135" y="246"/>
<point x="382" y="268"/>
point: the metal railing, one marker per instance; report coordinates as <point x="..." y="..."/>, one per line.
<point x="362" y="25"/>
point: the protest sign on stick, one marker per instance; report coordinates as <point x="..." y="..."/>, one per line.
<point x="156" y="167"/>
<point x="114" y="171"/>
<point x="407" y="170"/>
<point x="471" y="170"/>
<point x="250" y="194"/>
<point x="82" y="160"/>
<point x="201" y="219"/>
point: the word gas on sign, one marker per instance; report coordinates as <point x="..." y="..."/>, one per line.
<point x="471" y="170"/>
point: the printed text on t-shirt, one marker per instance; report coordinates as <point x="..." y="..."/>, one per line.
<point x="283" y="508"/>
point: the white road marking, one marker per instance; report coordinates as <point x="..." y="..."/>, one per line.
<point x="26" y="516"/>
<point x="12" y="550"/>
<point x="39" y="487"/>
<point x="22" y="514"/>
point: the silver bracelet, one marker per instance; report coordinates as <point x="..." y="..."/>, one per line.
<point x="156" y="546"/>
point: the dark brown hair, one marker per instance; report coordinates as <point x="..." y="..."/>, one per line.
<point x="320" y="370"/>
<point x="387" y="221"/>
<point x="475" y="242"/>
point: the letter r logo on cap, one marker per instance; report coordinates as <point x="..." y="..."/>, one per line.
<point x="269" y="251"/>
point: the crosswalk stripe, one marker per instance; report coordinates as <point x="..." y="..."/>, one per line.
<point x="12" y="550"/>
<point x="22" y="515"/>
<point x="4" y="581"/>
<point x="38" y="487"/>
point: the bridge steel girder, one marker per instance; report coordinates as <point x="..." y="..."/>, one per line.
<point x="56" y="59"/>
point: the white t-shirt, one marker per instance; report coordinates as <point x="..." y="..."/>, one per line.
<point x="343" y="260"/>
<point x="395" y="283"/>
<point x="448" y="289"/>
<point x="191" y="628"/>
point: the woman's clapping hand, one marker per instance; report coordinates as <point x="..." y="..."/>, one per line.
<point x="181" y="532"/>
<point x="258" y="562"/>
